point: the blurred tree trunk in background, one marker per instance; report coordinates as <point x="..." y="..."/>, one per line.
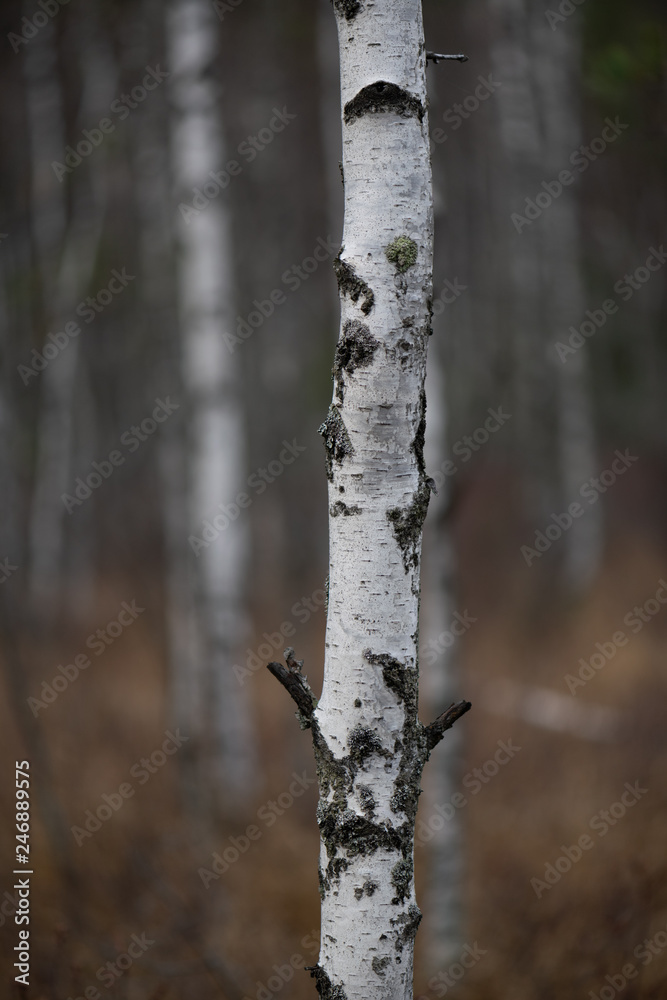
<point x="556" y="56"/>
<point x="207" y="698"/>
<point x="519" y="174"/>
<point x="68" y="215"/>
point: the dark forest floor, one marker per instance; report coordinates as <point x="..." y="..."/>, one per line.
<point x="138" y="875"/>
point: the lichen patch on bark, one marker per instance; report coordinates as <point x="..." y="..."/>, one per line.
<point x="355" y="349"/>
<point x="383" y="96"/>
<point x="342" y="508"/>
<point x="408" y="924"/>
<point x="401" y="879"/>
<point x="379" y="965"/>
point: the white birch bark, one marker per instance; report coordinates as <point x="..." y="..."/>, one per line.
<point x="369" y="745"/>
<point x="212" y="379"/>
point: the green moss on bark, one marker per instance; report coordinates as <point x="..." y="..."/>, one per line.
<point x="402" y="252"/>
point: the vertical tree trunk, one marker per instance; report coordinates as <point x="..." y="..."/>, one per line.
<point x="216" y="460"/>
<point x="370" y="747"/>
<point x="557" y="64"/>
<point x="518" y="175"/>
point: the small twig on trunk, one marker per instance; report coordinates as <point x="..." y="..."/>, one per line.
<point x="295" y="683"/>
<point x="437" y="57"/>
<point x="437" y="729"/>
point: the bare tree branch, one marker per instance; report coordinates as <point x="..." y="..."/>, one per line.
<point x="295" y="683"/>
<point x="437" y="729"/>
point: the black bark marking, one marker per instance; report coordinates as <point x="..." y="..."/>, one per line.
<point x="331" y="877"/>
<point x="379" y="965"/>
<point x="367" y="800"/>
<point x="349" y="283"/>
<point x="383" y="96"/>
<point x="401" y="879"/>
<point x="398" y="677"/>
<point x="407" y="523"/>
<point x="348" y="8"/>
<point x="402" y="679"/>
<point x="409" y="922"/>
<point x="359" y="836"/>
<point x="418" y="443"/>
<point x="325" y="987"/>
<point x="336" y="439"/>
<point x="355" y="349"/>
<point x="342" y="508"/>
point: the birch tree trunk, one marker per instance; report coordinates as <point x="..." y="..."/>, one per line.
<point x="558" y="87"/>
<point x="370" y="747"/>
<point x="212" y="377"/>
